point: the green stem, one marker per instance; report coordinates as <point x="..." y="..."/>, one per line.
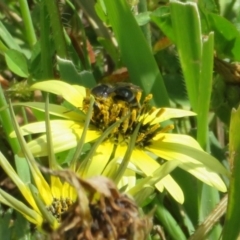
<point x="142" y="8"/>
<point x="57" y="28"/>
<point x="46" y="58"/>
<point x="29" y="29"/>
<point x="6" y="122"/>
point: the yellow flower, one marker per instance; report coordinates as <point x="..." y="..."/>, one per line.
<point x="54" y="198"/>
<point x="152" y="140"/>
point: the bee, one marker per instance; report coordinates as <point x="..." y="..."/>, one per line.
<point x="114" y="101"/>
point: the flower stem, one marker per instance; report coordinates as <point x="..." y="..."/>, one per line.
<point x="29" y="30"/>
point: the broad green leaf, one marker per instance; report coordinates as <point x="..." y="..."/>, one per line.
<point x="70" y="74"/>
<point x="227" y="37"/>
<point x="135" y="52"/>
<point x="17" y="62"/>
<point x="205" y="89"/>
<point x="161" y="16"/>
<point x="187" y="35"/>
<point x="8" y="39"/>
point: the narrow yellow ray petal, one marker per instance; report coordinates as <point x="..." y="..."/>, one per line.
<point x="56" y="125"/>
<point x="72" y="94"/>
<point x="177" y="138"/>
<point x="63" y="139"/>
<point x="99" y="160"/>
<point x="198" y="163"/>
<point x="54" y="109"/>
<point x="205" y="174"/>
<point x="167" y="113"/>
<point x="172" y="187"/>
<point x="31" y="215"/>
<point x="128" y="179"/>
<point x="19" y="183"/>
<point x="56" y="187"/>
<point x="68" y="191"/>
<point x="186" y="154"/>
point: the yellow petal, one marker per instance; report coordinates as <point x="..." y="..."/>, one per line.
<point x="19" y="183"/>
<point x="148" y="165"/>
<point x="56" y="126"/>
<point x="56" y="187"/>
<point x="177" y="138"/>
<point x="68" y="192"/>
<point x="167" y="113"/>
<point x="186" y="154"/>
<point x="31" y="215"/>
<point x="205" y="175"/>
<point x="63" y="139"/>
<point x="172" y="187"/>
<point x="99" y="160"/>
<point x="71" y="93"/>
<point x="54" y="109"/>
<point x="128" y="179"/>
<point x="197" y="162"/>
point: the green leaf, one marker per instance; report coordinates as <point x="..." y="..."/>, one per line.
<point x="70" y="74"/>
<point x="143" y="18"/>
<point x="17" y="62"/>
<point x="187" y="35"/>
<point x="167" y="220"/>
<point x="161" y="16"/>
<point x="8" y="39"/>
<point x="205" y="89"/>
<point x="227" y="37"/>
<point x="135" y="52"/>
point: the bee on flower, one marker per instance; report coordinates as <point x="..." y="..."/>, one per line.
<point x="111" y="104"/>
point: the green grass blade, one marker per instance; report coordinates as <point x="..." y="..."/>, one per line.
<point x="167" y="220"/>
<point x="205" y="89"/>
<point x="57" y="28"/>
<point x="135" y="52"/>
<point x="187" y="33"/>
<point x="232" y="227"/>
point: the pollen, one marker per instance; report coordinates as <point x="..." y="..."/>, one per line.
<point x="59" y="206"/>
<point x="113" y="103"/>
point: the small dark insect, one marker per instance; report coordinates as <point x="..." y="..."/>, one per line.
<point x="112" y="102"/>
<point x="119" y="91"/>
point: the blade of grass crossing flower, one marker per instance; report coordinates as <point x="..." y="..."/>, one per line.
<point x="38" y="177"/>
<point x="187" y="31"/>
<point x="83" y="136"/>
<point x="231" y="228"/>
<point x="127" y="156"/>
<point x="87" y="160"/>
<point x="205" y="88"/>
<point x="12" y="202"/>
<point x="55" y="181"/>
<point x="135" y="51"/>
<point x="8" y="169"/>
<point x="45" y="213"/>
<point x="5" y="119"/>
<point x="159" y="174"/>
<point x="51" y="156"/>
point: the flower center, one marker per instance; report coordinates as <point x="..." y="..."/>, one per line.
<point x="59" y="206"/>
<point x="113" y="104"/>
